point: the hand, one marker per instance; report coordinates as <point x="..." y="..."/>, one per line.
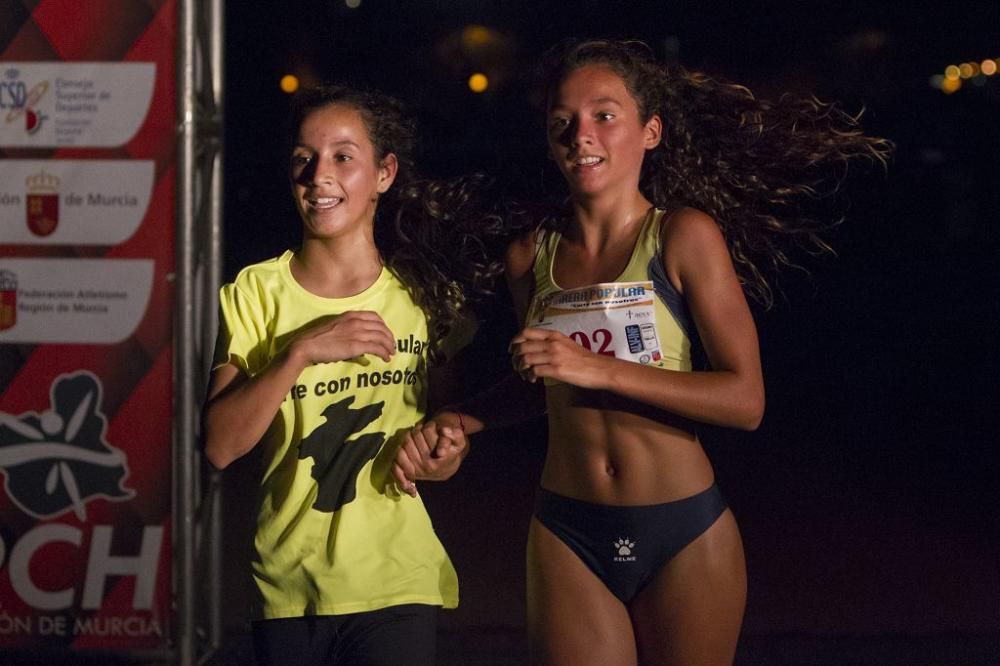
<point x="538" y="352"/>
<point x="348" y="335"/>
<point x="432" y="452"/>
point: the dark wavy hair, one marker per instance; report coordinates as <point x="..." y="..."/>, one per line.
<point x="440" y="238"/>
<point x="757" y="167"/>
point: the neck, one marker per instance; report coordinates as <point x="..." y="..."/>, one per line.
<point x="599" y="221"/>
<point x="336" y="269"/>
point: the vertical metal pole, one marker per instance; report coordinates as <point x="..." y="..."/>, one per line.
<point x="213" y="278"/>
<point x="184" y="340"/>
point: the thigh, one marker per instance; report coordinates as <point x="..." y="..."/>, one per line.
<point x="572" y="616"/>
<point x="295" y="640"/>
<point x="404" y="634"/>
<point x="691" y="612"/>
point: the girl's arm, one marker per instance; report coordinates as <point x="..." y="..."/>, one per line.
<point x="730" y="394"/>
<point x="510" y="401"/>
<point x="240" y="409"/>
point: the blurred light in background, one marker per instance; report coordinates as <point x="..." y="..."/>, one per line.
<point x="477" y="36"/>
<point x="478" y="83"/>
<point x="352" y="4"/>
<point x="488" y="54"/>
<point x="289" y="83"/>
<point x="975" y="73"/>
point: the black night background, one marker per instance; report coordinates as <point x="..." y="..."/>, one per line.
<point x="868" y="498"/>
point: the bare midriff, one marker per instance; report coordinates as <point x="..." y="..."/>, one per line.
<point x="608" y="450"/>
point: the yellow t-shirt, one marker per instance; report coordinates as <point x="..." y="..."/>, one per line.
<point x="333" y="536"/>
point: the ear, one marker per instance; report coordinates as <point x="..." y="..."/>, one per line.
<point x="387" y="169"/>
<point x="652" y="132"/>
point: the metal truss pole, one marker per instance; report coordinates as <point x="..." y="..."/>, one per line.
<point x="184" y="341"/>
<point x="197" y="564"/>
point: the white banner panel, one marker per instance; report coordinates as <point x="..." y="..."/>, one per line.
<point x="74" y="301"/>
<point x="84" y="104"/>
<point x="73" y="202"/>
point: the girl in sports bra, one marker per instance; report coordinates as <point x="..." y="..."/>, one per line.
<point x="683" y="190"/>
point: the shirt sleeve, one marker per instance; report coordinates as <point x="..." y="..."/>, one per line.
<point x="242" y="339"/>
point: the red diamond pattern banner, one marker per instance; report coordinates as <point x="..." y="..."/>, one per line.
<point x="87" y="214"/>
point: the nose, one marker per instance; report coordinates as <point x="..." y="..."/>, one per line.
<point x="580" y="133"/>
<point x="323" y="170"/>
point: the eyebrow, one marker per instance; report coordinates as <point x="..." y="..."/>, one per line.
<point x="606" y="100"/>
<point x="344" y="142"/>
<point x="596" y="101"/>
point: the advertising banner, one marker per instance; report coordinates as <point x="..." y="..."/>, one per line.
<point x="87" y="210"/>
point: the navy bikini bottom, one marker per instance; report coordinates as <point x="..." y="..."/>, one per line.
<point x="625" y="546"/>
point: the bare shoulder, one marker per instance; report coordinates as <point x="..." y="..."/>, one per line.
<point x="520" y="260"/>
<point x="521" y="255"/>
<point x="693" y="245"/>
<point x="690" y="226"/>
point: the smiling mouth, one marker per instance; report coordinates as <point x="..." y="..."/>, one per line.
<point x="587" y="161"/>
<point x="324" y="203"/>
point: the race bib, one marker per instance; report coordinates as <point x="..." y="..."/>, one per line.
<point x="613" y="318"/>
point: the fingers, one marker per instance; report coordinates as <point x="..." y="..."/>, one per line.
<point x="349" y="335"/>
<point x="368" y="333"/>
<point x="451" y="442"/>
<point x="403" y="481"/>
<point x="538" y="353"/>
<point x="429" y="452"/>
<point x="527" y="355"/>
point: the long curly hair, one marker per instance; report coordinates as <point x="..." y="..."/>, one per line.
<point x="757" y="167"/>
<point x="440" y="238"/>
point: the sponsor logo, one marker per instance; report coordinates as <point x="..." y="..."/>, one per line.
<point x="43" y="203"/>
<point x="77" y="301"/>
<point x="83" y="104"/>
<point x="74" y="202"/>
<point x="8" y="299"/>
<point x="624" y="549"/>
<point x="58" y="460"/>
<point x="20" y="102"/>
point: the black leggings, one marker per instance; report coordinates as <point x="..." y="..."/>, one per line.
<point x="404" y="634"/>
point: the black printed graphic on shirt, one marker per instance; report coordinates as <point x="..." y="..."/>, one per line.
<point x="337" y="459"/>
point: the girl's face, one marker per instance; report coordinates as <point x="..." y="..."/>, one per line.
<point x="336" y="176"/>
<point x="595" y="132"/>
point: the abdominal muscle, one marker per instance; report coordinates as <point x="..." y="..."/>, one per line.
<point x="608" y="450"/>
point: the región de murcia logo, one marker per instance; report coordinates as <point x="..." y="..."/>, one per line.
<point x="58" y="460"/>
<point x="42" y="203"/>
<point x="8" y="299"/>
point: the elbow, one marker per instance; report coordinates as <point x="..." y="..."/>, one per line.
<point x="753" y="412"/>
<point x="218" y="450"/>
<point x="217" y="459"/>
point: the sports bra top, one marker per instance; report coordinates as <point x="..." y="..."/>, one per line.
<point x="674" y="327"/>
